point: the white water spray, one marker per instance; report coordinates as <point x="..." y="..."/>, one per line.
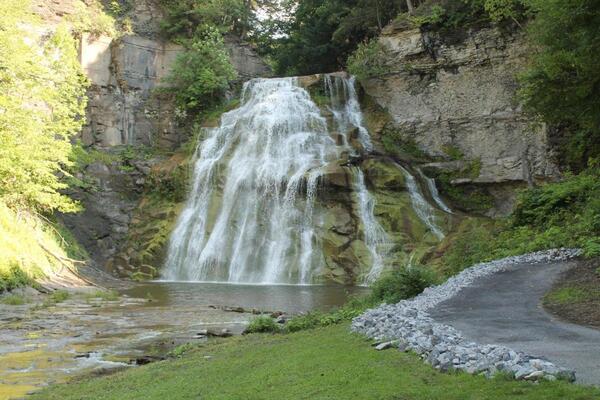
<point x="267" y="157"/>
<point x="424" y="210"/>
<point x="250" y="216"/>
<point x="435" y="194"/>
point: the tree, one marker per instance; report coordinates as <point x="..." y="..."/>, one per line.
<point x="42" y="103"/>
<point x="562" y="85"/>
<point x="202" y="73"/>
<point x="322" y="33"/>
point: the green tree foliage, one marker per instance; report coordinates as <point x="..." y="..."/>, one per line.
<point x="369" y="60"/>
<point x="562" y="85"/>
<point x="42" y="101"/>
<point x="322" y="33"/>
<point x="457" y="14"/>
<point x="185" y="16"/>
<point x="203" y="72"/>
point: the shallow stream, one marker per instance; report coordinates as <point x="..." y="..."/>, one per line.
<point x="43" y="344"/>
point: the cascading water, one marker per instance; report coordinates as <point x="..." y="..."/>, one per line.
<point x="346" y="108"/>
<point x="435" y="194"/>
<point x="267" y="156"/>
<point x="251" y="215"/>
<point x="347" y="115"/>
<point x="424" y="210"/>
<point x="374" y="235"/>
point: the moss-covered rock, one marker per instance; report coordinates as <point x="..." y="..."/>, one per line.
<point x="384" y="175"/>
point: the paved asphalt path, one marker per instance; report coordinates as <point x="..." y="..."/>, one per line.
<point x="505" y="308"/>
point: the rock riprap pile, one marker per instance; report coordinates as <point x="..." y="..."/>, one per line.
<point x="408" y="326"/>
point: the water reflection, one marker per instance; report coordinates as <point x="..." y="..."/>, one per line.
<point x="286" y="298"/>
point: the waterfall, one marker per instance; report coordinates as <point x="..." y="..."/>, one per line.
<point x="251" y="215"/>
<point x="375" y="236"/>
<point x="345" y="107"/>
<point x="424" y="210"/>
<point x="266" y="157"/>
<point x="435" y="194"/>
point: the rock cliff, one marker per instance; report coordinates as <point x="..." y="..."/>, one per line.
<point x="452" y="95"/>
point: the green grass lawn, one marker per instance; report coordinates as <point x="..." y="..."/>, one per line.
<point x="325" y="363"/>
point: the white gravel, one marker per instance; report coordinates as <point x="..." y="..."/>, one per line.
<point x="408" y="326"/>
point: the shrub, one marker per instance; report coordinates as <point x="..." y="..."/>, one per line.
<point x="13" y="278"/>
<point x="402" y="284"/>
<point x="314" y="319"/>
<point x="560" y="214"/>
<point x="262" y="324"/>
<point x="369" y="60"/>
<point x="203" y="72"/>
<point x="13" y="300"/>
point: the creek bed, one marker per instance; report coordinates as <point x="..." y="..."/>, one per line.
<point x="82" y="335"/>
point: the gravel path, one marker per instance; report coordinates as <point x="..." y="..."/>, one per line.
<point x="408" y="325"/>
<point x="488" y="313"/>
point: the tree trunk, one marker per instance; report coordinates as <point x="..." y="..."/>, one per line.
<point x="411" y="7"/>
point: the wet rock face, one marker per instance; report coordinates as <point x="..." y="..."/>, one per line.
<point x="456" y="96"/>
<point x="109" y="202"/>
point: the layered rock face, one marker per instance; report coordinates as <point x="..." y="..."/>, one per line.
<point x="124" y="107"/>
<point x="453" y="95"/>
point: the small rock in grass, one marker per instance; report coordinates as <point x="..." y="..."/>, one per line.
<point x="385" y="345"/>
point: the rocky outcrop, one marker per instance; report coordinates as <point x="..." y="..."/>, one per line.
<point x="123" y="106"/>
<point x="453" y="95"/>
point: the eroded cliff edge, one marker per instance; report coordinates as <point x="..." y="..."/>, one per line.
<point x="452" y="95"/>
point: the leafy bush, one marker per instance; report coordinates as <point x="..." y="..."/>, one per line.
<point x="13" y="278"/>
<point x="369" y="60"/>
<point x="203" y="72"/>
<point x="560" y="214"/>
<point x="402" y="284"/>
<point x="13" y="300"/>
<point x="314" y="319"/>
<point x="262" y="324"/>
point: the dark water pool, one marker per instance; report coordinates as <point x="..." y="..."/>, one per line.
<point x="286" y="298"/>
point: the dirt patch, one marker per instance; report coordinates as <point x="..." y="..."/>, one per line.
<point x="575" y="297"/>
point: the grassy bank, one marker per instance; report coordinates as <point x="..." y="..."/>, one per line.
<point x="575" y="297"/>
<point x="325" y="363"/>
<point x="32" y="247"/>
